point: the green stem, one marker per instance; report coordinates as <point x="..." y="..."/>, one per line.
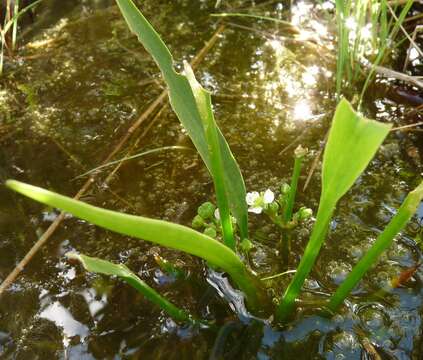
<point x="384" y="240"/>
<point x="318" y="235"/>
<point x="287" y="214"/>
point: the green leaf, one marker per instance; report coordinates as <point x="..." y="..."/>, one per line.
<point x="107" y="268"/>
<point x="382" y="243"/>
<point x="352" y="143"/>
<point x="189" y="112"/>
<point x="203" y="100"/>
<point x="157" y="231"/>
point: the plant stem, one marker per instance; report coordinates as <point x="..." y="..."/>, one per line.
<point x="15" y="25"/>
<point x="383" y="241"/>
<point x="324" y="214"/>
<point x="287" y="214"/>
<point x="289" y="207"/>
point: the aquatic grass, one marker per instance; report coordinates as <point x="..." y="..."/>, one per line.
<point x="366" y="34"/>
<point x="160" y="232"/>
<point x="386" y="41"/>
<point x="104" y="267"/>
<point x="12" y="23"/>
<point x="382" y="243"/>
<point x="135" y="156"/>
<point x="254" y="16"/>
<point x="183" y="99"/>
<point x="352" y="143"/>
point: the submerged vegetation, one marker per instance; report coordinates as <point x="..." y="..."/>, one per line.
<point x="352" y="143"/>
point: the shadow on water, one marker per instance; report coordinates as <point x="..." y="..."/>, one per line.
<point x="69" y="96"/>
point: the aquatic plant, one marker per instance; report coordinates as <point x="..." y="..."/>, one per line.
<point x="366" y="34"/>
<point x="352" y="143"/>
<point x="11" y="24"/>
<point x="100" y="266"/>
<point x="382" y="243"/>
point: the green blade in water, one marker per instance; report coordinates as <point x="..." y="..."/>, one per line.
<point x="352" y="143"/>
<point x="108" y="268"/>
<point x="160" y="232"/>
<point x="382" y="243"/>
<point x="187" y="109"/>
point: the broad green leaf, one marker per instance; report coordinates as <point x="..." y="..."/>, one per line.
<point x="382" y="243"/>
<point x="187" y="109"/>
<point x="108" y="268"/>
<point x="157" y="231"/>
<point x="352" y="143"/>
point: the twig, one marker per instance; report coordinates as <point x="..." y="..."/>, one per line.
<point x="407" y="59"/>
<point x="129" y="152"/>
<point x="398" y="75"/>
<point x="52" y="228"/>
<point x="315" y="162"/>
<point x="407" y="126"/>
<point x="406" y="33"/>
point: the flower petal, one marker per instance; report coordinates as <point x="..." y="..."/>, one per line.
<point x="255" y="210"/>
<point x="217" y="214"/>
<point x="268" y="196"/>
<point x="252" y="197"/>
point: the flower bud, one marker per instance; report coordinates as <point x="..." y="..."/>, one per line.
<point x="246" y="245"/>
<point x="197" y="222"/>
<point x="273" y="207"/>
<point x="285" y="189"/>
<point x="300" y="151"/>
<point x="304" y="213"/>
<point x="206" y="210"/>
<point x="210" y="232"/>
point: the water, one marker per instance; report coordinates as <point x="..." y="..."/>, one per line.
<point x="78" y="86"/>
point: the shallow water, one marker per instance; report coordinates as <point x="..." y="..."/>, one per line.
<point x="80" y="83"/>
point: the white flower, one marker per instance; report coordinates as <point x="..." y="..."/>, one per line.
<point x="256" y="201"/>
<point x="217" y="214"/>
<point x="252" y="197"/>
<point x="268" y="196"/>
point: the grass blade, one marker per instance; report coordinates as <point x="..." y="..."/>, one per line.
<point x="135" y="156"/>
<point x="258" y="17"/>
<point x="157" y="231"/>
<point x="186" y="108"/>
<point x="383" y="241"/>
<point x="352" y="143"/>
<point x="100" y="266"/>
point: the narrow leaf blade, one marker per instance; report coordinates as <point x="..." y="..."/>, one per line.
<point x="160" y="232"/>
<point x="100" y="266"/>
<point x="185" y="107"/>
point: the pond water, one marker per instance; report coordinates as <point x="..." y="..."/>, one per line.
<point x="73" y="92"/>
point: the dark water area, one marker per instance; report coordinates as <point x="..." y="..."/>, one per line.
<point x="73" y="91"/>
